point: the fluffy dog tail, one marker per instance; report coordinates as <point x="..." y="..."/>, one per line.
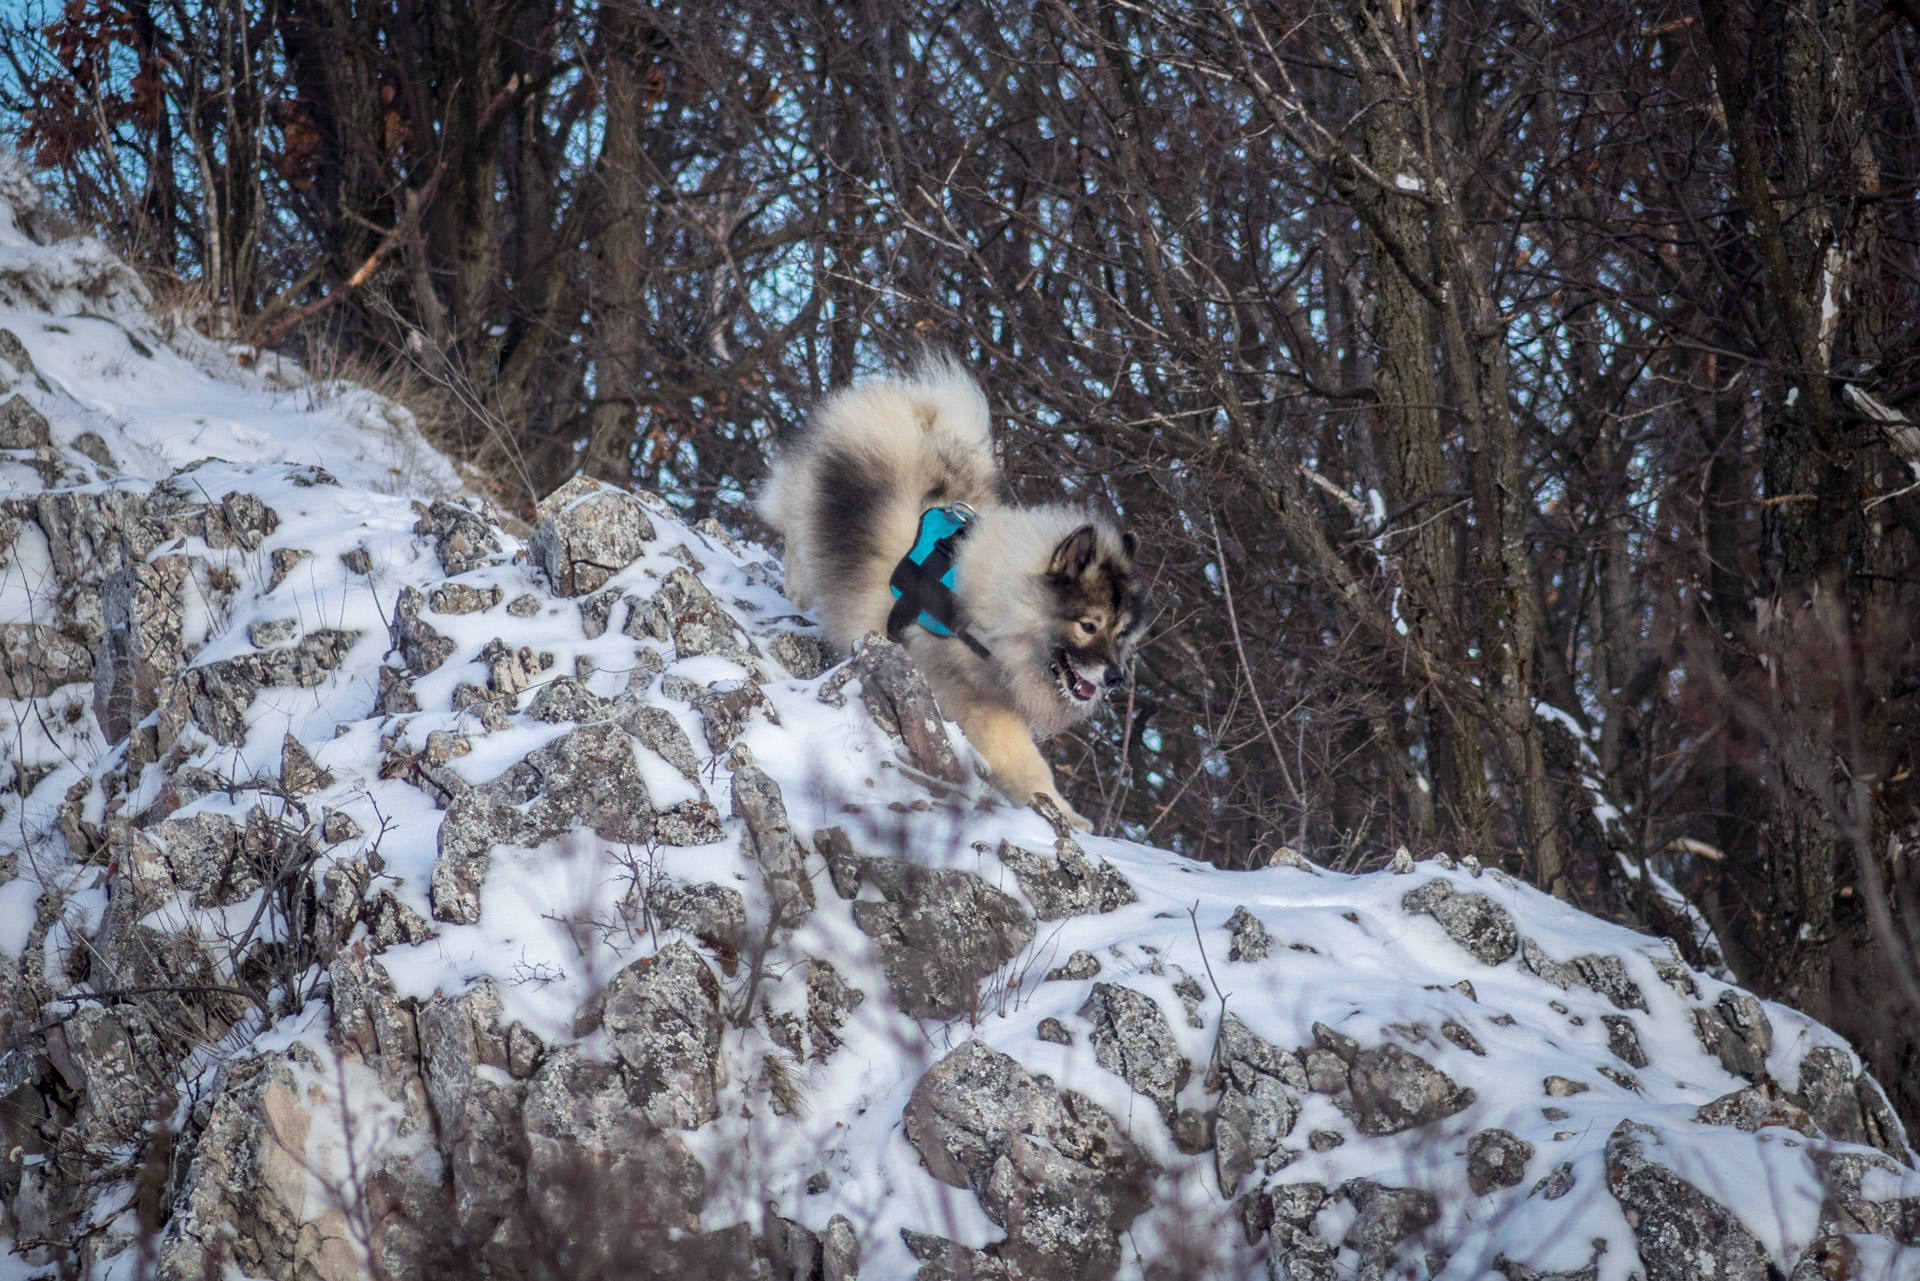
<point x="848" y="491"/>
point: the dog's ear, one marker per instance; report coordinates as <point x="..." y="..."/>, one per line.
<point x="1074" y="554"/>
<point x="1127" y="543"/>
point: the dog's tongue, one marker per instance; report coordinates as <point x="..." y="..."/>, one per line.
<point x="1082" y="687"/>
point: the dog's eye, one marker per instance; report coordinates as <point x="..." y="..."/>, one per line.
<point x="1087" y="626"/>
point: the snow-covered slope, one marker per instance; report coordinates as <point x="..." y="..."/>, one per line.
<point x="383" y="894"/>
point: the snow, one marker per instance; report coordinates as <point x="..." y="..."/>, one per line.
<point x="558" y="920"/>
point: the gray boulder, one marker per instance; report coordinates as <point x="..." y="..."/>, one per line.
<point x="588" y="776"/>
<point x="1050" y="1166"/>
<point x="684" y="612"/>
<point x="1260" y="1085"/>
<point x="422" y="649"/>
<point x="939" y="931"/>
<point x="1132" y="1039"/>
<point x="1682" y="1233"/>
<point x="1387" y="1217"/>
<point x="901" y="703"/>
<point x="771" y="844"/>
<point x="1496" y="1159"/>
<point x="1248" y="938"/>
<point x="462" y="538"/>
<point x="1069" y="884"/>
<point x="36" y="659"/>
<point x="587" y="533"/>
<point x="662" y="1014"/>
<point x="1474" y="921"/>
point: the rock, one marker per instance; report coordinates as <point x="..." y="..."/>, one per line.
<point x="36" y="659"/>
<point x="726" y="709"/>
<point x="395" y="697"/>
<point x="284" y="561"/>
<point x="685" y="612"/>
<point x="660" y="733"/>
<point x="1534" y="958"/>
<point x="587" y="533"/>
<point x="1249" y="940"/>
<point x="1069" y="884"/>
<point x="359" y="560"/>
<point x="463" y="539"/>
<point x="463" y="598"/>
<point x="939" y="932"/>
<point x="1463" y="1038"/>
<point x="563" y="699"/>
<point x="606" y="1186"/>
<point x="1625" y="1080"/>
<point x="481" y="1129"/>
<point x="1682" y="1233"/>
<point x="843" y="862"/>
<point x="509" y="670"/>
<point x="421" y="648"/>
<point x="839" y="1251"/>
<point x="22" y="426"/>
<point x="714" y="914"/>
<point x="336" y="826"/>
<point x="901" y="703"/>
<point x="277" y="631"/>
<point x="1623" y="1038"/>
<point x="587" y="776"/>
<point x="804" y="654"/>
<point x="143" y="610"/>
<point x="944" y="1260"/>
<point x="662" y="1015"/>
<point x="1607" y="975"/>
<point x="596" y="610"/>
<point x="1192" y="1131"/>
<point x="1496" y="1159"/>
<point x="1755" y="1107"/>
<point x="1259" y="1085"/>
<point x="300" y="775"/>
<point x="1051" y="1167"/>
<point x="1474" y="921"/>
<point x="1052" y="1029"/>
<point x="1562" y="1087"/>
<point x="831" y="1001"/>
<point x="1298" y="1252"/>
<point x="1736" y="1031"/>
<point x="215" y="697"/>
<point x="1132" y="1039"/>
<point x="1847" y="1105"/>
<point x="1081" y="965"/>
<point x="770" y="843"/>
<point x="241" y="1201"/>
<point x="1556" y="1183"/>
<point x="1387" y="1216"/>
<point x="1394" y="1091"/>
<point x="525" y="605"/>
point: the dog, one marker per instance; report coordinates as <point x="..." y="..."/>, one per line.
<point x="1022" y="619"/>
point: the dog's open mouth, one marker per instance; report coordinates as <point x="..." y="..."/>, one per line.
<point x="1073" y="686"/>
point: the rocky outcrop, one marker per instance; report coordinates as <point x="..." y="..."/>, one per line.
<point x="1260" y="1090"/>
<point x="587" y="533"/>
<point x="939" y="932"/>
<point x="1132" y="1039"/>
<point x="1474" y="921"/>
<point x="1069" y="883"/>
<point x="1682" y="1233"/>
<point x="1050" y="1166"/>
<point x="588" y="776"/>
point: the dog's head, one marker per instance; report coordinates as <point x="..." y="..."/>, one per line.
<point x="1097" y="614"/>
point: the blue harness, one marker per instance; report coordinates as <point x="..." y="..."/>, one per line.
<point x="923" y="582"/>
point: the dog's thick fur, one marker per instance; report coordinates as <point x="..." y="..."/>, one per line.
<point x="1049" y="590"/>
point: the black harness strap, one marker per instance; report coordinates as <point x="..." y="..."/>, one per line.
<point x="926" y="597"/>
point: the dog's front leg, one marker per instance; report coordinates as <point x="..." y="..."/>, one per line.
<point x="1018" y="768"/>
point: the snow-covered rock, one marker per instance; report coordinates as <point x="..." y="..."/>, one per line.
<point x="377" y="886"/>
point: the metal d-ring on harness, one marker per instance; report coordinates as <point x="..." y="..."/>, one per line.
<point x="923" y="581"/>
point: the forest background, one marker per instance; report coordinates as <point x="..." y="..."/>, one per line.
<point x="1512" y="399"/>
